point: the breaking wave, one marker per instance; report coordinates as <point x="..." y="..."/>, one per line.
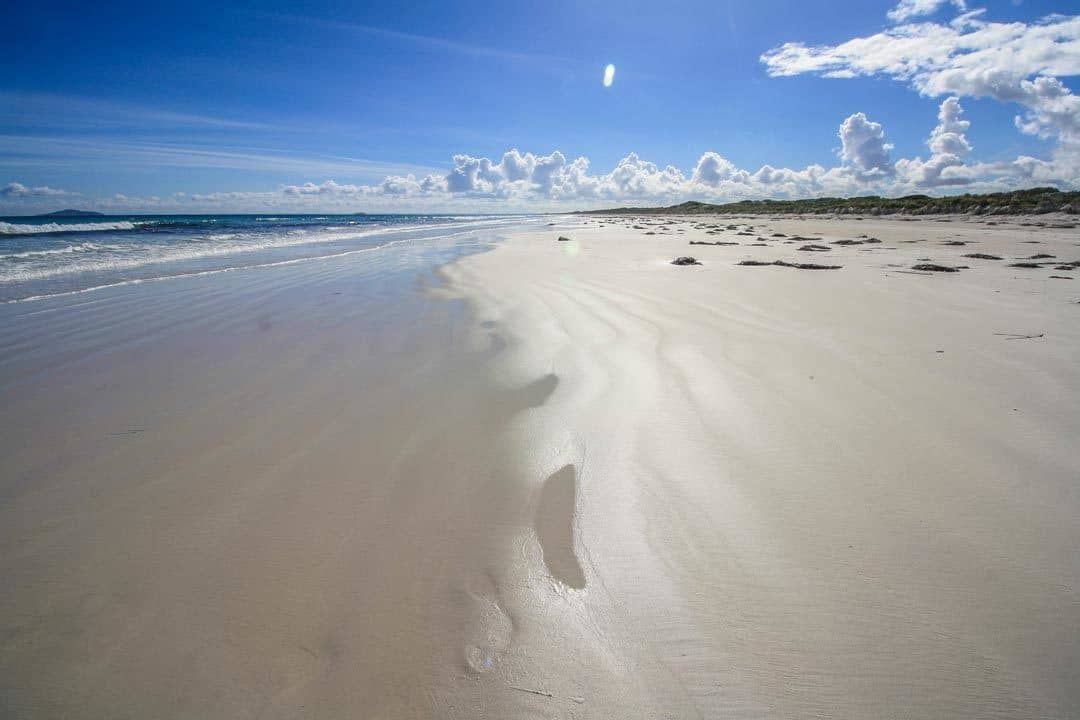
<point x="7" y="228"/>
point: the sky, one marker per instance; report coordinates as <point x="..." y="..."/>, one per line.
<point x="503" y="107"/>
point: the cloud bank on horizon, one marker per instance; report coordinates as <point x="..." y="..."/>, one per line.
<point x="1018" y="64"/>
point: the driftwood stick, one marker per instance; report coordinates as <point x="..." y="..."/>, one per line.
<point x="533" y="692"/>
<point x="1020" y="336"/>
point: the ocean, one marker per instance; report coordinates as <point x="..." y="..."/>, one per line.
<point x="44" y="257"/>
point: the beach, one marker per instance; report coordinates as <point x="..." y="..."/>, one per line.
<point x="556" y="475"/>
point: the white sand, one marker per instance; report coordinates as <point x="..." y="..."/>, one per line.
<point x="623" y="489"/>
<point x="789" y="503"/>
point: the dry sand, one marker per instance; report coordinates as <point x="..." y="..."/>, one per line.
<point x="613" y="488"/>
<point x="834" y="493"/>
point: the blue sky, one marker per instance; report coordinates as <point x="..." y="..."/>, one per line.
<point x="242" y="106"/>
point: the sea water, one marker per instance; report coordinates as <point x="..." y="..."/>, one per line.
<point x="43" y="257"/>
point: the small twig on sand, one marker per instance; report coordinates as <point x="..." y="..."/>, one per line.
<point x="533" y="692"/>
<point x="1020" y="336"/>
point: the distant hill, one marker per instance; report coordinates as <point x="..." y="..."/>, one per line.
<point x="1019" y="202"/>
<point x="72" y="213"/>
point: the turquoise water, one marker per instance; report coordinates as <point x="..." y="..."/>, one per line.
<point x="42" y="257"/>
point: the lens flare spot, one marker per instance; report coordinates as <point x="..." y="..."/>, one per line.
<point x="609" y="75"/>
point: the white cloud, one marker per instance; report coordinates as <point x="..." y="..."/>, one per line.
<point x="863" y="146"/>
<point x="908" y="9"/>
<point x="948" y="137"/>
<point x="527" y="181"/>
<point x="327" y="188"/>
<point x="949" y="146"/>
<point x="637" y="178"/>
<point x="713" y="169"/>
<point x="924" y="53"/>
<point x="18" y="190"/>
<point x="1054" y="110"/>
<point x="1015" y="63"/>
<point x="515" y="175"/>
<point x="409" y="186"/>
<point x="969" y="57"/>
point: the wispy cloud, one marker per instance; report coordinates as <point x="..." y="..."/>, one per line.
<point x="428" y="42"/>
<point x="41" y="152"/>
<point x="42" y="110"/>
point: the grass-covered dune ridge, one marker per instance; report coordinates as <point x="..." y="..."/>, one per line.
<point x="1018" y="202"/>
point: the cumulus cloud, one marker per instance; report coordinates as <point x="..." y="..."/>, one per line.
<point x="637" y="178"/>
<point x="948" y="137"/>
<point x="867" y="166"/>
<point x="529" y="181"/>
<point x="409" y="186"/>
<point x="949" y="146"/>
<point x="18" y="190"/>
<point x="863" y="146"/>
<point x="517" y="174"/>
<point x="713" y="169"/>
<point x="1015" y="63"/>
<point x="1053" y="110"/>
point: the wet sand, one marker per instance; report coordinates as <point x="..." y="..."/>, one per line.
<point x="257" y="494"/>
<point x="555" y="480"/>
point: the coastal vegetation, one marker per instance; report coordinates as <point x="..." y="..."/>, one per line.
<point x="1018" y="202"/>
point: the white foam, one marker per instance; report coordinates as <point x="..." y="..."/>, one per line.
<point x="7" y="228"/>
<point x="66" y="250"/>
